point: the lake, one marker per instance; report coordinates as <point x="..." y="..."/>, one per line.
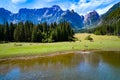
<point x="99" y="65"/>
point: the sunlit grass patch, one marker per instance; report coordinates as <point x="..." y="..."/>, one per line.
<point x="23" y="49"/>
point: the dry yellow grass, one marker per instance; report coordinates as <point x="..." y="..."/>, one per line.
<point x="97" y="37"/>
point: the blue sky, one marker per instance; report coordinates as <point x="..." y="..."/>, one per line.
<point x="80" y="6"/>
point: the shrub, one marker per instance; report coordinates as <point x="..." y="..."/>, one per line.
<point x="89" y="38"/>
<point x="4" y="42"/>
<point x="17" y="44"/>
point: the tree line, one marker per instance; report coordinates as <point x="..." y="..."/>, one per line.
<point x="29" y="32"/>
<point x="106" y="29"/>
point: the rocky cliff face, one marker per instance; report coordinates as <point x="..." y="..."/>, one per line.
<point x="91" y="19"/>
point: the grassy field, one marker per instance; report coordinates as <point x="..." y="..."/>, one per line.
<point x="23" y="49"/>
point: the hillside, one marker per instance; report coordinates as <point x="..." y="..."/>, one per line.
<point x="114" y="7"/>
<point x="110" y="23"/>
<point x="113" y="17"/>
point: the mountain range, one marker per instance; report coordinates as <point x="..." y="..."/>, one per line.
<point x="49" y="15"/>
<point x="56" y="14"/>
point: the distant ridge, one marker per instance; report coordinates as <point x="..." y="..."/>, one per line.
<point x="49" y="15"/>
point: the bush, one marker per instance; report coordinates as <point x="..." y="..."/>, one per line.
<point x="89" y="37"/>
<point x="17" y="44"/>
<point x="50" y="40"/>
<point x="118" y="36"/>
<point x="97" y="32"/>
<point x="4" y="42"/>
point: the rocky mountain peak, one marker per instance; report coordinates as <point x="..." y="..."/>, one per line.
<point x="56" y="7"/>
<point x="91" y="18"/>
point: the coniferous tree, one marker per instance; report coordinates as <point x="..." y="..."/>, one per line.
<point x="27" y="32"/>
<point x="1" y="33"/>
<point x="6" y="32"/>
<point x="34" y="35"/>
<point x="11" y="29"/>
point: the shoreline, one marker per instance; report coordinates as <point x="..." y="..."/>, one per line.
<point x="28" y="57"/>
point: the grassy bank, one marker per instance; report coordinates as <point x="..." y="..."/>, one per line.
<point x="23" y="49"/>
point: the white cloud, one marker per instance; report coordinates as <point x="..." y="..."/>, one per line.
<point x="83" y="7"/>
<point x="82" y="1"/>
<point x="49" y="0"/>
<point x="18" y="1"/>
<point x="103" y="10"/>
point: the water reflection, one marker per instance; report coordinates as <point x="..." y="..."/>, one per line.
<point x="94" y="66"/>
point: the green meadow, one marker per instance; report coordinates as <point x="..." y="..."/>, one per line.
<point x="100" y="42"/>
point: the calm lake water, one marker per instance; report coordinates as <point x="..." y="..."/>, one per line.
<point x="103" y="65"/>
